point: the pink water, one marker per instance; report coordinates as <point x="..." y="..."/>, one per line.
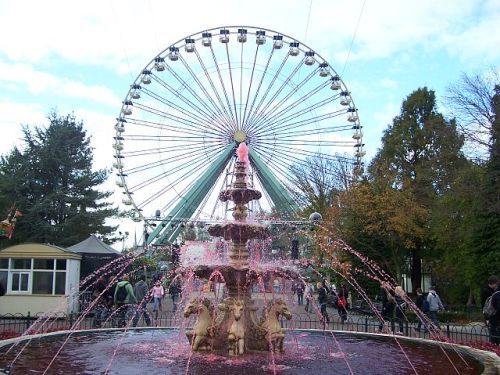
<point x="166" y="352"/>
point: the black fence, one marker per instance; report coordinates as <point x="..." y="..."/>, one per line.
<point x="16" y="324"/>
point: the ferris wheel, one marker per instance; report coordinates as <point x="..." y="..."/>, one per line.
<point x="196" y="101"/>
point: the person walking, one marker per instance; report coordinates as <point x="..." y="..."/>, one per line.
<point x="399" y="296"/>
<point x="388" y="306"/>
<point x="493" y="321"/>
<point x="322" y="300"/>
<point x="435" y="305"/>
<point x="100" y="306"/>
<point x="342" y="304"/>
<point x="487" y="291"/>
<point x="175" y="290"/>
<point x="124" y="296"/>
<point x="300" y="292"/>
<point x="308" y="293"/>
<point x="158" y="293"/>
<point x="141" y="291"/>
<point x="423" y="306"/>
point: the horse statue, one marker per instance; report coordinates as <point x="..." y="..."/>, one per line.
<point x="7" y="226"/>
<point x="275" y="335"/>
<point x="236" y="333"/>
<point x="202" y="330"/>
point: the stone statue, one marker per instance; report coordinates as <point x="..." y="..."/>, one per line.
<point x="236" y="333"/>
<point x="204" y="325"/>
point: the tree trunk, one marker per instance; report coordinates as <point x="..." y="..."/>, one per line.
<point x="416" y="269"/>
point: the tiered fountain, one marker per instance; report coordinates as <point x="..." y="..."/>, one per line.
<point x="234" y="326"/>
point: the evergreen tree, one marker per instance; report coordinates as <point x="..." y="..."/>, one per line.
<point x="52" y="182"/>
<point x="486" y="243"/>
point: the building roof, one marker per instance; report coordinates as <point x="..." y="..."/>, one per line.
<point x="36" y="250"/>
<point x="93" y="245"/>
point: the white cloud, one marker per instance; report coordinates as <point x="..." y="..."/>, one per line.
<point x="14" y="115"/>
<point x="388" y="83"/>
<point x="38" y="82"/>
<point x="118" y="34"/>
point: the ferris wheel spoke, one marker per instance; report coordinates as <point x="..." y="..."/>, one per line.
<point x="266" y="115"/>
<point x="204" y="203"/>
<point x="178" y="94"/>
<point x="165" y="138"/>
<point x="232" y="86"/>
<point x="256" y="110"/>
<point x="249" y="85"/>
<point x="287" y="151"/>
<point x="309" y="120"/>
<point x="206" y="124"/>
<point x="165" y="150"/>
<point x="308" y="143"/>
<point x="193" y="152"/>
<point x="285" y="114"/>
<point x="163" y="114"/>
<point x="235" y="122"/>
<point x="188" y="87"/>
<point x="174" y="128"/>
<point x="308" y="168"/>
<point x="281" y="171"/>
<point x="197" y="119"/>
<point x="279" y="119"/>
<point x="286" y="165"/>
<point x="300" y="134"/>
<point x="223" y="120"/>
<point x="259" y="115"/>
<point x="214" y="89"/>
<point x="256" y="95"/>
<point x="179" y="195"/>
<point x="188" y="173"/>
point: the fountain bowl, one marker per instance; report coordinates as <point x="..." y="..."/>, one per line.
<point x="164" y="350"/>
<point x="238" y="231"/>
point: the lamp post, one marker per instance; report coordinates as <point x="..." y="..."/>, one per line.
<point x="124" y="236"/>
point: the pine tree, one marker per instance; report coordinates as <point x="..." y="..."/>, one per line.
<point x="52" y="182"/>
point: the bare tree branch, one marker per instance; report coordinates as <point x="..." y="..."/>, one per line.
<point x="470" y="101"/>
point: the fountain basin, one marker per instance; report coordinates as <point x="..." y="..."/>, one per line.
<point x="166" y="351"/>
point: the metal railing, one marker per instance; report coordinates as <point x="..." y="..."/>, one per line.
<point x="18" y="324"/>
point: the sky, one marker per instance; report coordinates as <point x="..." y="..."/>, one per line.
<point x="81" y="57"/>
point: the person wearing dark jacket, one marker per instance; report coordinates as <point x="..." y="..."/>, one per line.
<point x="494" y="321"/>
<point x="322" y="300"/>
<point x="141" y="291"/>
<point x="420" y="304"/>
<point x="100" y="306"/>
<point x="487" y="291"/>
<point x="388" y="306"/>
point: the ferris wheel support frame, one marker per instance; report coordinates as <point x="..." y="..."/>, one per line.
<point x="283" y="202"/>
<point x="169" y="227"/>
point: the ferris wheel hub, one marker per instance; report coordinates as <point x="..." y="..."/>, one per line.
<point x="240" y="136"/>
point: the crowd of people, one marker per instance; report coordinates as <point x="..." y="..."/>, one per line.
<point x="118" y="301"/>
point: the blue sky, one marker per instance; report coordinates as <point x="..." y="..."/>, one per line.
<point x="81" y="57"/>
